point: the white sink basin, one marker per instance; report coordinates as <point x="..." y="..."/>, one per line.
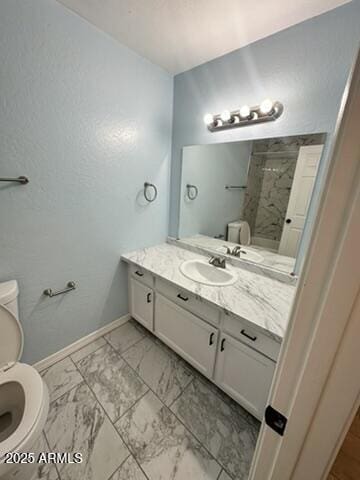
<point x="201" y="271"/>
<point x="245" y="254"/>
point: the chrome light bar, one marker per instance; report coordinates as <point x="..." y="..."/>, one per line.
<point x="267" y="111"/>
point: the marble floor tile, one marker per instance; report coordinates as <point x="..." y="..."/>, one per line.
<point x="90" y="348"/>
<point x="61" y="377"/>
<point x="129" y="470"/>
<point x="77" y="423"/>
<point x="43" y="471"/>
<point x="123" y="337"/>
<point x="164" y="371"/>
<point x="163" y="447"/>
<point x="114" y="383"/>
<point x="223" y="396"/>
<point x="224" y="476"/>
<point x="223" y="427"/>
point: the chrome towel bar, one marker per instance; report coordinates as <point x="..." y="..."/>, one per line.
<point x="49" y="292"/>
<point x="234" y="187"/>
<point x="21" y="179"/>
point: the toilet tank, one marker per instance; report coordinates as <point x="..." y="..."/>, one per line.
<point x="233" y="232"/>
<point x="9" y="292"/>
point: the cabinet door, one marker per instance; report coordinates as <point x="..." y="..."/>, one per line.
<point x="191" y="337"/>
<point x="244" y="374"/>
<point x="141" y="303"/>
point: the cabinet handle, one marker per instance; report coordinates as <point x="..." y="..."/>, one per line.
<point x="248" y="336"/>
<point x="139" y="274"/>
<point x="222" y="347"/>
<point x="211" y="338"/>
<point x="148" y="297"/>
<point x="185" y="299"/>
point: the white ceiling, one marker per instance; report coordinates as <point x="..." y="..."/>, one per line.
<point x="180" y="34"/>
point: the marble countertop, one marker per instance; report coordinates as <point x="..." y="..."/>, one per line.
<point x="263" y="302"/>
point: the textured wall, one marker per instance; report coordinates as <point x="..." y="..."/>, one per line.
<point x="210" y="168"/>
<point x="305" y="66"/>
<point x="88" y="121"/>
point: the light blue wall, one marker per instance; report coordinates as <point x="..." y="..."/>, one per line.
<point x="305" y="67"/>
<point x="88" y="121"/>
<point x="210" y="168"/>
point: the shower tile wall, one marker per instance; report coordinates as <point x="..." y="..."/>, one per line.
<point x="271" y="173"/>
<point x="267" y="195"/>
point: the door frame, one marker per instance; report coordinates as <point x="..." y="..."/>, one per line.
<point x="322" y="338"/>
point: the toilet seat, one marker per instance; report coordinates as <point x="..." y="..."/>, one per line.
<point x="33" y="389"/>
<point x="239" y="232"/>
<point x="245" y="235"/>
<point x="24" y="397"/>
<point x="12" y="337"/>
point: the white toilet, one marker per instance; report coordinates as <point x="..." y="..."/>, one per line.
<point x="239" y="232"/>
<point x="24" y="398"/>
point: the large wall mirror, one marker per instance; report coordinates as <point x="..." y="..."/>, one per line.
<point x="249" y="199"/>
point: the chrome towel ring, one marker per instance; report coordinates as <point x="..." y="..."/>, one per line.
<point x="192" y="191"/>
<point x="148" y="197"/>
<point x="234" y="187"/>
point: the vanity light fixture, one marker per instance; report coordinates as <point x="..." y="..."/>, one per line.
<point x="244" y="111"/>
<point x="208" y="119"/>
<point x="225" y="116"/>
<point x="267" y="111"/>
<point x="266" y="106"/>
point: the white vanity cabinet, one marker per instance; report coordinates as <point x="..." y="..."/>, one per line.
<point x="141" y="303"/>
<point x="227" y="350"/>
<point x="191" y="337"/>
<point x="244" y="374"/>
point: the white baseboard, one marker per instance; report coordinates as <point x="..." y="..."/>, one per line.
<point x="82" y="342"/>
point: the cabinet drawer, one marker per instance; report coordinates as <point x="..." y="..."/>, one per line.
<point x="188" y="301"/>
<point x="141" y="275"/>
<point x="240" y="330"/>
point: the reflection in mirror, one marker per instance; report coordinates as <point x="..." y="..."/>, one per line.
<point x="252" y="197"/>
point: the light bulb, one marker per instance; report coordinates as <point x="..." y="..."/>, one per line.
<point x="266" y="106"/>
<point x="245" y="111"/>
<point x="208" y="119"/>
<point x="225" y="116"/>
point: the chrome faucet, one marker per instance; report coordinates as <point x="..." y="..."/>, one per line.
<point x="218" y="262"/>
<point x="227" y="250"/>
<point x="235" y="252"/>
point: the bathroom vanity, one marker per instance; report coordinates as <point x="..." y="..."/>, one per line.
<point x="231" y="334"/>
